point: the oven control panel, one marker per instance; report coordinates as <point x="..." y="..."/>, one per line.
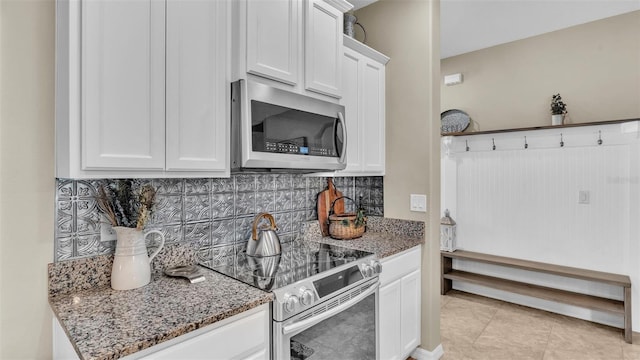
<point x="372" y="268"/>
<point x="306" y="296"/>
<point x="302" y="295"/>
<point x="301" y="298"/>
<point x="298" y="299"/>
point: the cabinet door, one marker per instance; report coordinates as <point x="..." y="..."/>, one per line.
<point x="272" y="39"/>
<point x="122" y="108"/>
<point x="323" y="48"/>
<point x="351" y="101"/>
<point x="196" y="85"/>
<point x="373" y="97"/>
<point x="62" y="348"/>
<point x="389" y="321"/>
<point x="410" y="309"/>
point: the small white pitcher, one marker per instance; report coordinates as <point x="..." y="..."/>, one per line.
<point x="132" y="264"/>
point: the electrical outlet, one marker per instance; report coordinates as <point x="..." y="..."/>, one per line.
<point x="418" y="202"/>
<point x="583" y="196"/>
<point x="106" y="231"/>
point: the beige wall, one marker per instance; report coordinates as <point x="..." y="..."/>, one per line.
<point x="594" y="66"/>
<point x="408" y="32"/>
<point x="26" y="176"/>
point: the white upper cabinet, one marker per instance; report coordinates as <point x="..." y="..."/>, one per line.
<point x="273" y="39"/>
<point x="352" y="69"/>
<point x="364" y="101"/>
<point x="323" y="48"/>
<point x="197" y="86"/>
<point x="373" y="119"/>
<point x="122" y="100"/>
<point x="142" y="88"/>
<point x="295" y="44"/>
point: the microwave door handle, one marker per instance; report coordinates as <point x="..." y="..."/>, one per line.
<point x="343" y="156"/>
<point x="288" y="329"/>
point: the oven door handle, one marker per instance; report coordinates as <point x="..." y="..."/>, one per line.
<point x="288" y="329"/>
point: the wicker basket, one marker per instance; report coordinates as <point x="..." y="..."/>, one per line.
<point x="342" y="226"/>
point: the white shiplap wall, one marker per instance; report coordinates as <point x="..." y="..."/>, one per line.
<point x="523" y="203"/>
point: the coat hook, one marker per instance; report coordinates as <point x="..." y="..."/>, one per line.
<point x="599" y="137"/>
<point x="494" y="143"/>
<point x="561" y="141"/>
<point x="526" y="146"/>
<point x="466" y="143"/>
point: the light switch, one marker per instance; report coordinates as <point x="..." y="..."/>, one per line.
<point x="418" y="202"/>
<point x="583" y="197"/>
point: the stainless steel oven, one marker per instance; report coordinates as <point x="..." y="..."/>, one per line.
<point x="274" y="129"/>
<point x="342" y="327"/>
<point x="325" y="299"/>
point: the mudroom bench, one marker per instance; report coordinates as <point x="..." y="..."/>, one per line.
<point x="618" y="307"/>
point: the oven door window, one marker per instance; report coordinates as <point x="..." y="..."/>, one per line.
<point x="277" y="129"/>
<point x="350" y="334"/>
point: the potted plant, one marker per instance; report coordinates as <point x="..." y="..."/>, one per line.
<point x="128" y="209"/>
<point x="558" y="110"/>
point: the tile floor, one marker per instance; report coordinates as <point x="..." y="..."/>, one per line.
<point x="475" y="327"/>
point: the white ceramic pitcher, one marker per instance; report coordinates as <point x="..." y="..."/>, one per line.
<point x="132" y="264"/>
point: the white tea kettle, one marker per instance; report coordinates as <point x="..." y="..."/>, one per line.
<point x="132" y="264"/>
<point x="267" y="242"/>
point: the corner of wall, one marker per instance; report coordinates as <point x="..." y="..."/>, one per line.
<point x="412" y="128"/>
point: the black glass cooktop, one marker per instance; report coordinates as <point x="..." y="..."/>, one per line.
<point x="299" y="260"/>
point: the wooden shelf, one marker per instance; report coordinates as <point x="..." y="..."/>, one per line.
<point x="620" y="307"/>
<point x="608" y="122"/>
<point x="599" y="276"/>
<point x="541" y="292"/>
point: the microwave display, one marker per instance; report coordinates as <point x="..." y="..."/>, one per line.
<point x="277" y="129"/>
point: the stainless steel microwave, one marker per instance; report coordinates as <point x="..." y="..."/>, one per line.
<point x="277" y="130"/>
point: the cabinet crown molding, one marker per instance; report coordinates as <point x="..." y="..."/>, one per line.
<point x="363" y="49"/>
<point x="341" y="5"/>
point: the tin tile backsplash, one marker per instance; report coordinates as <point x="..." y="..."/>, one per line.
<point x="214" y="213"/>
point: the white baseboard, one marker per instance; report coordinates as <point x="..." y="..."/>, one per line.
<point x="422" y="354"/>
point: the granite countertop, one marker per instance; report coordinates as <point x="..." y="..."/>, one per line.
<point x="107" y="324"/>
<point x="384" y="236"/>
<point x="382" y="244"/>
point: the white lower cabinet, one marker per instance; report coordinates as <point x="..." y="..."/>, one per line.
<point x="390" y="318"/>
<point x="400" y="305"/>
<point x="410" y="314"/>
<point x="243" y="336"/>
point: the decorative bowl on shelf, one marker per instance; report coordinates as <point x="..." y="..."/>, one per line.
<point x="454" y="121"/>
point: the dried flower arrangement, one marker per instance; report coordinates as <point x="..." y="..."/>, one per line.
<point x="125" y="206"/>
<point x="558" y="107"/>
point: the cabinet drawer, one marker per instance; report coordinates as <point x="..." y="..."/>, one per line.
<point x="230" y="341"/>
<point x="400" y="264"/>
